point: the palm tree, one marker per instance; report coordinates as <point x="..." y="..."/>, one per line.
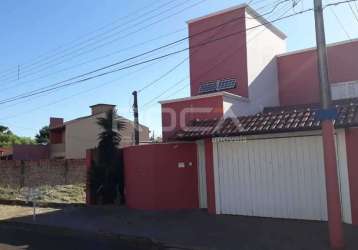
<point x="107" y="173"/>
<point x="110" y="137"/>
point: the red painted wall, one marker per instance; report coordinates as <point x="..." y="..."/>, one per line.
<point x="225" y="58"/>
<point x="153" y="180"/>
<point x="56" y="136"/>
<point x="210" y="181"/>
<point x="30" y="152"/>
<point x="171" y="113"/>
<point x="352" y="158"/>
<point x="298" y="75"/>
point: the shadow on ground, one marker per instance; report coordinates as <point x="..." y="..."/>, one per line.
<point x="195" y="228"/>
<point x="30" y="237"/>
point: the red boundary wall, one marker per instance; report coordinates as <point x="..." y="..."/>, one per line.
<point x="155" y="178"/>
<point x="352" y="158"/>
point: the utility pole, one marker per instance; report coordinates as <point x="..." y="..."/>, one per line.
<point x="327" y="114"/>
<point x="136" y="121"/>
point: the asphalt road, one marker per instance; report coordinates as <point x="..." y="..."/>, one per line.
<point x="17" y="237"/>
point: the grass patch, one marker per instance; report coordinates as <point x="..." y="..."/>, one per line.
<point x="58" y="193"/>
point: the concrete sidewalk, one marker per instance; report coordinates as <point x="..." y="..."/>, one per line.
<point x="197" y="229"/>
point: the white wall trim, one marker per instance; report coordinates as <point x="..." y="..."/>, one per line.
<point x="344" y="90"/>
<point x="221" y="93"/>
<point x="314" y="48"/>
<point x="248" y="9"/>
<point x="201" y="162"/>
<point x="216" y="177"/>
<point x="269" y="136"/>
<point x="343" y="177"/>
<point x="345" y="83"/>
<point x="232" y="8"/>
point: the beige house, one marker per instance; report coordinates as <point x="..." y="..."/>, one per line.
<point x="71" y="139"/>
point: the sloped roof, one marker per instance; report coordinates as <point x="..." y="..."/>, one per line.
<point x="272" y="120"/>
<point x="62" y="126"/>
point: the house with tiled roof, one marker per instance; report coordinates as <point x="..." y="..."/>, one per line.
<point x="71" y="139"/>
<point x="248" y="139"/>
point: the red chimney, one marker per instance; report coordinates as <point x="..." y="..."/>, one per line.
<point x="55" y="122"/>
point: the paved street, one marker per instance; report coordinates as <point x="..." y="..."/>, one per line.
<point x="14" y="237"/>
<point x="188" y="229"/>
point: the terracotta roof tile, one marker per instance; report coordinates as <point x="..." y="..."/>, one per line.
<point x="272" y="120"/>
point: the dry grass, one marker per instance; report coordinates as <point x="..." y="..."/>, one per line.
<point x="57" y="194"/>
<point x="9" y="212"/>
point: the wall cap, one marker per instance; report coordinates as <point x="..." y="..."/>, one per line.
<point x="221" y="93"/>
<point x="314" y="48"/>
<point x="249" y="10"/>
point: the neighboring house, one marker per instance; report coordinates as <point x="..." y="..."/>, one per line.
<point x="71" y="139"/>
<point x="248" y="139"/>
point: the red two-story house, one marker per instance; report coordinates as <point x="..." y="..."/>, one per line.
<point x="248" y="139"/>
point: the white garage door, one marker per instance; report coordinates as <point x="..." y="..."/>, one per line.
<point x="280" y="177"/>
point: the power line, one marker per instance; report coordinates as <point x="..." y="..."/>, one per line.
<point x="119" y="52"/>
<point x="116" y="52"/>
<point x="140" y="55"/>
<point x="219" y="62"/>
<point x="103" y="27"/>
<point x="98" y="58"/>
<point x="164" y="75"/>
<point x="53" y="86"/>
<point x="354" y="13"/>
<point x="338" y="3"/>
<point x="76" y="94"/>
<point x="340" y="24"/>
<point x="36" y="92"/>
<point x="102" y="84"/>
<point x="180" y="63"/>
<point x="165" y="91"/>
<point x="71" y="54"/>
<point x="171" y="70"/>
<point x="101" y="57"/>
<point x="107" y="43"/>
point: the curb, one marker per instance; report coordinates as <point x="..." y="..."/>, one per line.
<point x="134" y="241"/>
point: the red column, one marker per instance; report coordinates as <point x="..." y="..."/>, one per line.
<point x="210" y="181"/>
<point x="88" y="167"/>
<point x="332" y="187"/>
<point x="352" y="158"/>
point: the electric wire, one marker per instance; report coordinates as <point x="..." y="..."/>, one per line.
<point x="53" y="86"/>
<point x="79" y="51"/>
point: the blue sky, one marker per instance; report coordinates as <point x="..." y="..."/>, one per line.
<point x="55" y="40"/>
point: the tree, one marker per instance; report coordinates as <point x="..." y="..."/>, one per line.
<point x="4" y="130"/>
<point x="154" y="139"/>
<point x="43" y="136"/>
<point x="106" y="177"/>
<point x="7" y="138"/>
